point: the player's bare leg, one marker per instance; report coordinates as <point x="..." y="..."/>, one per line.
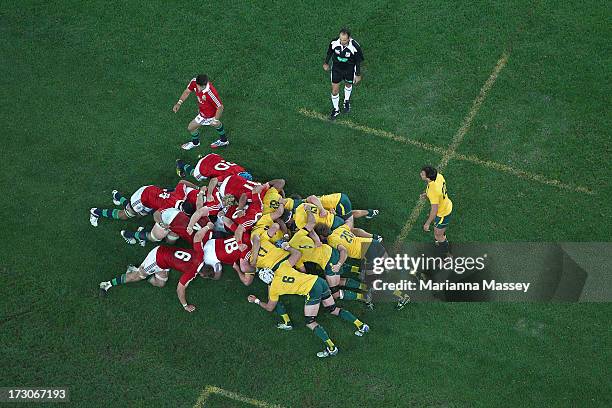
<point x="365" y="234"/>
<point x="159" y="279"/>
<point x="369" y="213"/>
<point x="335" y="97"/>
<point x="194" y="130"/>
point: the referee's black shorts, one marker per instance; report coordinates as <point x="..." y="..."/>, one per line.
<point x="342" y="74"/>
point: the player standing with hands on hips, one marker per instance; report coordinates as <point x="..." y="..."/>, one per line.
<point x="347" y="58"/>
<point x="210" y="111"/>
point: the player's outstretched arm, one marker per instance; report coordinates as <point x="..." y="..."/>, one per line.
<point x="188" y="184"/>
<point x="244" y="278"/>
<point x="181" y="292"/>
<point x="181" y="99"/>
<point x="269" y="305"/>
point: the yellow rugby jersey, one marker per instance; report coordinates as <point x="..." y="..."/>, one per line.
<point x="437" y="194"/>
<point x="355" y="246"/>
<point x="303" y="243"/>
<point x="330" y="201"/>
<point x="288" y="281"/>
<point x="262" y="226"/>
<point x="271" y="201"/>
<point x="269" y="255"/>
<point x="301" y="215"/>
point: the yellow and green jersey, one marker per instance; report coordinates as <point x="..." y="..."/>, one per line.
<point x="271" y="201"/>
<point x="301" y="216"/>
<point x="303" y="243"/>
<point x="262" y="226"/>
<point x="330" y="201"/>
<point x="269" y="255"/>
<point x="288" y="281"/>
<point x="437" y="194"/>
<point x="355" y="246"/>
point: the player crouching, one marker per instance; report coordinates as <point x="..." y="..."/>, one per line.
<point x="283" y="279"/>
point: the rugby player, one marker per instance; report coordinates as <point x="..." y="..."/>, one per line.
<point x="209" y="166"/>
<point x="341" y="206"/>
<point x="441" y="207"/>
<point x="210" y="111"/>
<point x="144" y="201"/>
<point x="331" y="261"/>
<point x="158" y="263"/>
<point x="283" y="279"/>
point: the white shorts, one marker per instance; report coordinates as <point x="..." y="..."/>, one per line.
<point x="210" y="255"/>
<point x="168" y="215"/>
<point x="196" y="171"/>
<point x="137" y="205"/>
<point x="149" y="265"/>
<point x="202" y="121"/>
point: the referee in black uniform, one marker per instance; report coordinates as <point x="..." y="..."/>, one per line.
<point x="346" y="66"/>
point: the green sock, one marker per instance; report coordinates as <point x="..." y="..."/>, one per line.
<point x="221" y="130"/>
<point x="118" y="281"/>
<point x="195" y="136"/>
<point x="349" y="295"/>
<point x="349" y="317"/>
<point x="352" y="283"/>
<point x="322" y="334"/>
<point x="280" y="310"/>
<point x="142" y="235"/>
<point x="188" y="168"/>
<point x="110" y="214"/>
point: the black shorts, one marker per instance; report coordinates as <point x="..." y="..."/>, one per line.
<point x="338" y="75"/>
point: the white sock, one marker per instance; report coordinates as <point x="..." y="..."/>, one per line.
<point x="347" y="93"/>
<point x="335" y="100"/>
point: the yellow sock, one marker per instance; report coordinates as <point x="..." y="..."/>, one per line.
<point x="360" y="296"/>
<point x="354" y="269"/>
<point x="330" y="344"/>
<point x="286" y="318"/>
<point x="358" y="323"/>
<point x="363" y="286"/>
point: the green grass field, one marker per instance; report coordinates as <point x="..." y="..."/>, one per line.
<point x="88" y="89"/>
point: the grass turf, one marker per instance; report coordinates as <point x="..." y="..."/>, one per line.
<point x="88" y="94"/>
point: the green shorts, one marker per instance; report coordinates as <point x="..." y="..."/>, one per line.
<point x="344" y="208"/>
<point x="442" y="222"/>
<point x="335" y="257"/>
<point x="320" y="290"/>
<point x="375" y="250"/>
<point x="296" y="204"/>
<point x="338" y="221"/>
